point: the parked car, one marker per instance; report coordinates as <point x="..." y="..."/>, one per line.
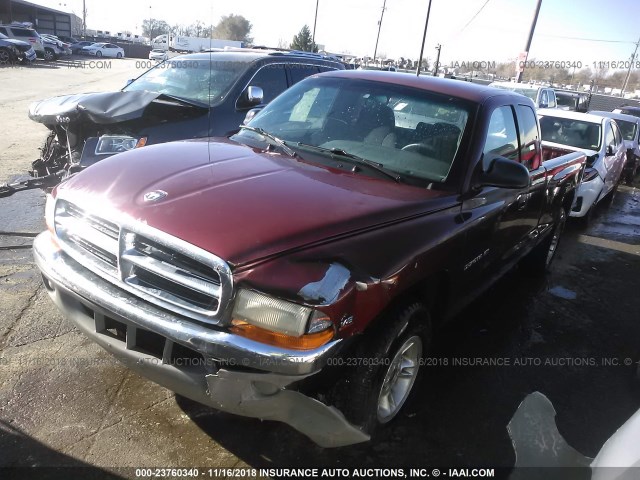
<point x="77" y="48"/>
<point x="296" y="271"/>
<point x="69" y="40"/>
<point x="29" y="35"/>
<point x="628" y="110"/>
<point x="572" y="101"/>
<point x="191" y="96"/>
<point x="61" y="47"/>
<point x="630" y="130"/>
<point x="12" y="50"/>
<point x="104" y="50"/>
<point x="159" y="55"/>
<point x="543" y="97"/>
<point x="600" y="139"/>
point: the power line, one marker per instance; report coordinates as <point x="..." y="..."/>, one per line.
<point x="474" y="17"/>
<point x="585" y="39"/>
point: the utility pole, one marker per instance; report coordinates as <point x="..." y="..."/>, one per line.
<point x="315" y="21"/>
<point x="84" y="18"/>
<point x="435" y="71"/>
<point x="528" y="46"/>
<point x="424" y="37"/>
<point x="375" y="52"/>
<point x="633" y="58"/>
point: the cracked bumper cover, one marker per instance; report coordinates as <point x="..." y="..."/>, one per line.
<point x="260" y="393"/>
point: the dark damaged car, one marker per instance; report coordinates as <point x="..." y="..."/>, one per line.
<point x="191" y="96"/>
<point x="296" y="271"/>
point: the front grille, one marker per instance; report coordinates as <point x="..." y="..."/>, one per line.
<point x="150" y="264"/>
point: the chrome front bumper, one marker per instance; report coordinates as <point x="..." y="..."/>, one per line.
<point x="220" y="369"/>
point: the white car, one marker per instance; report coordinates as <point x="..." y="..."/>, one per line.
<point x="104" y="50"/>
<point x="543" y="97"/>
<point x="158" y="55"/>
<point x="597" y="136"/>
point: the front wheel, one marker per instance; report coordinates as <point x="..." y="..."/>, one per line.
<point x="98" y="54"/>
<point x="49" y="55"/>
<point x="119" y="55"/>
<point x="384" y="368"/>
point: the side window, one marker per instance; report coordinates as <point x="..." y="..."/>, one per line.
<point x="3" y="31"/>
<point x="529" y="137"/>
<point x="299" y="71"/>
<point x="544" y="98"/>
<point x="609" y="137"/>
<point x="502" y="139"/>
<point x="617" y="133"/>
<point x="552" y="99"/>
<point x="272" y="79"/>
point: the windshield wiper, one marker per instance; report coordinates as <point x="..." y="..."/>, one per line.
<point x="275" y="140"/>
<point x="338" y="152"/>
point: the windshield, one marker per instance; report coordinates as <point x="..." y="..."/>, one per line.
<point x="527" y="92"/>
<point x="628" y="129"/>
<point x="411" y="132"/>
<point x="205" y="81"/>
<point x="575" y="133"/>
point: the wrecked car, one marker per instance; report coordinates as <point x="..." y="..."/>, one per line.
<point x="296" y="270"/>
<point x="191" y="96"/>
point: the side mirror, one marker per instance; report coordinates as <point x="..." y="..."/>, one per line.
<point x="251" y="97"/>
<point x="610" y="150"/>
<point x="505" y="173"/>
<point x="251" y="114"/>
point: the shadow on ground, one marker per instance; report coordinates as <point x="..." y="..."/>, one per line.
<point x="24" y="457"/>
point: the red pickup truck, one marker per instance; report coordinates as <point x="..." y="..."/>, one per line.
<point x="296" y="270"/>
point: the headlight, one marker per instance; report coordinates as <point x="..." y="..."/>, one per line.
<point x="110" y="144"/>
<point x="278" y="322"/>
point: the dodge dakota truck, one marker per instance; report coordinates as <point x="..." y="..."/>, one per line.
<point x="296" y="270"/>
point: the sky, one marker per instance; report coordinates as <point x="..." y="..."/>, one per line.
<point x="468" y="30"/>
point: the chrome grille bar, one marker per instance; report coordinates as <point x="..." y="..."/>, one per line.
<point x="148" y="263"/>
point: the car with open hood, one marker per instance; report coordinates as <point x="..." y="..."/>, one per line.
<point x="190" y="96"/>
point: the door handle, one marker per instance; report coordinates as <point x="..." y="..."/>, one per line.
<point x="521" y="201"/>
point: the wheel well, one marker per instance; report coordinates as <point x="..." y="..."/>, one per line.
<point x="434" y="292"/>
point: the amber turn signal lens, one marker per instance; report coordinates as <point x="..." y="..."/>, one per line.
<point x="303" y="342"/>
<point x="141" y="142"/>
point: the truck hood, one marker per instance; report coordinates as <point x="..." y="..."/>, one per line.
<point x="100" y="108"/>
<point x="244" y="204"/>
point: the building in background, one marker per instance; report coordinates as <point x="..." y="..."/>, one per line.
<point x="43" y="19"/>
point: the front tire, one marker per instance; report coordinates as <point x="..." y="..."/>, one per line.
<point x="98" y="54"/>
<point x="49" y="55"/>
<point x="385" y="367"/>
<point x="119" y="55"/>
<point x="5" y="56"/>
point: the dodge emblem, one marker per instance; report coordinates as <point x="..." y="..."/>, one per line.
<point x="155" y="195"/>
